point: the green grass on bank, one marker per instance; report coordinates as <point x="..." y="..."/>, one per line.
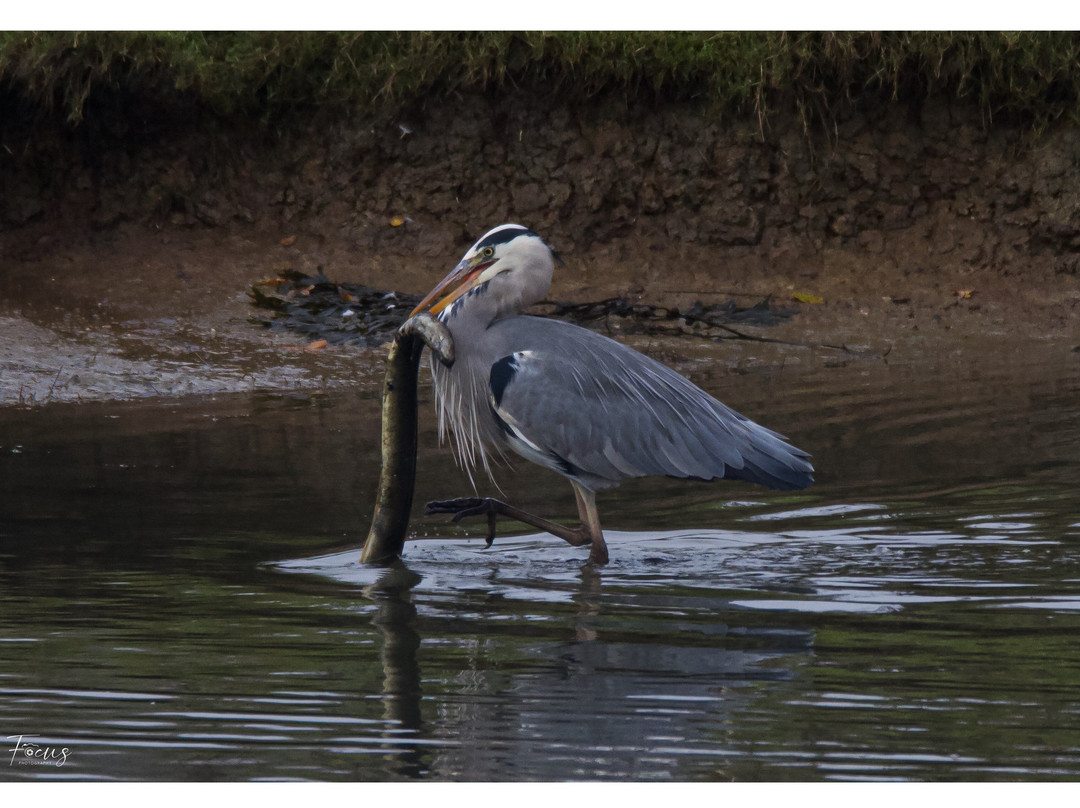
<point x="1030" y="77"/>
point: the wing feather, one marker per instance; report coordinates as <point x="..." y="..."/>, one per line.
<point x="600" y="411"/>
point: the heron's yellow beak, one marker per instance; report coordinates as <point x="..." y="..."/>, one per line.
<point x="461" y="279"/>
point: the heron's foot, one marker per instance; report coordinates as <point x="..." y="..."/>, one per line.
<point x="468" y="506"/>
<point x="598" y="552"/>
<point x="476" y="506"/>
<point x="460" y="507"/>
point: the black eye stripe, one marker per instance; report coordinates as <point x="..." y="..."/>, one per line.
<point x="502" y="236"/>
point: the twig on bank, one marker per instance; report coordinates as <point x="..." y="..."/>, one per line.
<point x="48" y="396"/>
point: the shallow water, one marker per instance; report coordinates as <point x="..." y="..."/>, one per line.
<point x="176" y="602"/>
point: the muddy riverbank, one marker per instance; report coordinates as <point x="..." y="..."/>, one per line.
<point x="126" y="262"/>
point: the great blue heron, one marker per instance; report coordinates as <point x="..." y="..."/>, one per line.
<point x="573" y="401"/>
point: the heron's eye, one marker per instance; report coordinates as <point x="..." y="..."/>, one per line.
<point x="487" y="252"/>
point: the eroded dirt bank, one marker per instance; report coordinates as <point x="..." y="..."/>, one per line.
<point x="917" y="229"/>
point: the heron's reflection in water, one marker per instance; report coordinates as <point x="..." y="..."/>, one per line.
<point x="587" y="599"/>
<point x="591" y="690"/>
<point x="396" y="618"/>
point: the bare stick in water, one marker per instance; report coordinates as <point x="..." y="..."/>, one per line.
<point x="397" y="479"/>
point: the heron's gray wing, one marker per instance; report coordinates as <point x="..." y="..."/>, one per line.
<point x="594" y="409"/>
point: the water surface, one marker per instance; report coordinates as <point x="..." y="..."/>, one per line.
<point x="180" y="596"/>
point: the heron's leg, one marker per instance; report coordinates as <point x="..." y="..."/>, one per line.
<point x="590" y="522"/>
<point x="476" y="506"/>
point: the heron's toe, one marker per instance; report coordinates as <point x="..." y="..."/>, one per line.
<point x="457" y="506"/>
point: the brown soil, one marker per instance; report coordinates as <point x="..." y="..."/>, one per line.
<point x="916" y="229"/>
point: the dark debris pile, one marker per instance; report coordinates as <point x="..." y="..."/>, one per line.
<point x="318" y="308"/>
<point x="699" y="319"/>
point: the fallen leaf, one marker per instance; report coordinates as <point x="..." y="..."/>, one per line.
<point x="806" y="297"/>
<point x="307" y="291"/>
<point x="288" y="241"/>
<point x="397" y="221"/>
<point x="348" y="297"/>
<point x="272" y="282"/>
<point x="964" y="294"/>
<point x="317" y="345"/>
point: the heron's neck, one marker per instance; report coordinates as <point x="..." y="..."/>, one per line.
<point x="478" y="309"/>
<point x="461" y="391"/>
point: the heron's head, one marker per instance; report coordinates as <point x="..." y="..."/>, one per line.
<point x="511" y="263"/>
